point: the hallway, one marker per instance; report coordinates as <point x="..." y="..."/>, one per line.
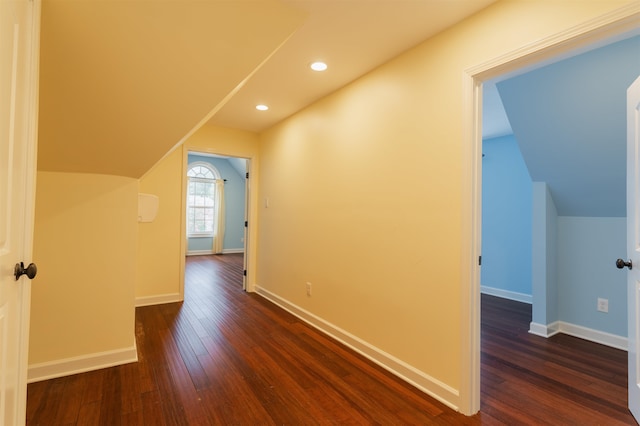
<point x="229" y="357"/>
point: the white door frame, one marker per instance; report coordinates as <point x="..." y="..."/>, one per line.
<point x="247" y="213"/>
<point x="633" y="136"/>
<point x="23" y="120"/>
<point x="600" y="31"/>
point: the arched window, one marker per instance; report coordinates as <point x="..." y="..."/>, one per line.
<point x="201" y="199"/>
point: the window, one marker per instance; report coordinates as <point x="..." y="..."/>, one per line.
<point x="201" y="196"/>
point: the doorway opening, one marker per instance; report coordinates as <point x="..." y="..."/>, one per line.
<point x="578" y="40"/>
<point x="217" y="207"/>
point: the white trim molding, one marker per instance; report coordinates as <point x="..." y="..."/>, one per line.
<point x="198" y="252"/>
<point x="544" y="330"/>
<point x="596" y="336"/>
<point x="158" y="299"/>
<point x="232" y="251"/>
<point x="538" y="53"/>
<point x="427" y="384"/>
<point x="507" y="294"/>
<point x="81" y="364"/>
<point x="207" y="252"/>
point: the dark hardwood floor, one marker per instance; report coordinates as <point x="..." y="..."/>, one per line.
<point x="562" y="380"/>
<point x="226" y="357"/>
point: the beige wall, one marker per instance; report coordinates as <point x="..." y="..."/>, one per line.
<point x="366" y="191"/>
<point x="85" y="248"/>
<point x="95" y="259"/>
<point x="161" y="243"/>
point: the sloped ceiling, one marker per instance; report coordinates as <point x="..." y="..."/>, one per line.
<point x="569" y="120"/>
<point x="352" y="37"/>
<point x="124" y="81"/>
<point x="239" y="164"/>
<point x="495" y="122"/>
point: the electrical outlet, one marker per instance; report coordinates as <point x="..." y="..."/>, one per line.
<point x="603" y="305"/>
<point x="309" y="289"/>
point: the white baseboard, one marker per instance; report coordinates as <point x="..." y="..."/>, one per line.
<point x="206" y="252"/>
<point x="230" y="251"/>
<point x="544" y="330"/>
<point x="506" y="294"/>
<point x="81" y="364"/>
<point x="198" y="252"/>
<point x="596" y="336"/>
<point x="158" y="299"/>
<point x="429" y="385"/>
<point x="608" y="339"/>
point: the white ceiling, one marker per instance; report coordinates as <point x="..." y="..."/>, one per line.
<point x="352" y="36"/>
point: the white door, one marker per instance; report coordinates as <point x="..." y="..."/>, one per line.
<point x="19" y="35"/>
<point x="633" y="244"/>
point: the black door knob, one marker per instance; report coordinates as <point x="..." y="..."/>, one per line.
<point x="30" y="271"/>
<point x="621" y="264"/>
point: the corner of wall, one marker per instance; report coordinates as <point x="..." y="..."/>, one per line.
<point x="90" y="220"/>
<point x="544" y="285"/>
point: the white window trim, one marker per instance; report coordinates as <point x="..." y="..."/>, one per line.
<point x="216" y="175"/>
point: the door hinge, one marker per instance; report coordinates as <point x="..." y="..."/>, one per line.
<point x="479" y="260"/>
<point x="244" y="272"/>
<point x="247" y="175"/>
<point x="246" y="223"/>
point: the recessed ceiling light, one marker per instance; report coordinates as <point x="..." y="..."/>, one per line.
<point x="318" y="66"/>
<point x="262" y="107"/>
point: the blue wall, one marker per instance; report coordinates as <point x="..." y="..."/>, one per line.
<point x="587" y="250"/>
<point x="506" y="220"/>
<point x="545" y="253"/>
<point x="561" y="264"/>
<point x="568" y="118"/>
<point x="234" y="198"/>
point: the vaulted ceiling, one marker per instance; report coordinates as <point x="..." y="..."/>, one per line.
<point x="569" y="119"/>
<point x="124" y="81"/>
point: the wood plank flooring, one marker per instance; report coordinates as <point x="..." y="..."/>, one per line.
<point x="226" y="357"/>
<point x="563" y="380"/>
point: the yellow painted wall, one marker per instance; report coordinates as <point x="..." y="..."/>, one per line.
<point x="161" y="243"/>
<point x="85" y="248"/>
<point x="366" y="190"/>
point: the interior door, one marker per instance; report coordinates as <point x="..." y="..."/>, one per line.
<point x="247" y="189"/>
<point x="19" y="34"/>
<point x="633" y="244"/>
